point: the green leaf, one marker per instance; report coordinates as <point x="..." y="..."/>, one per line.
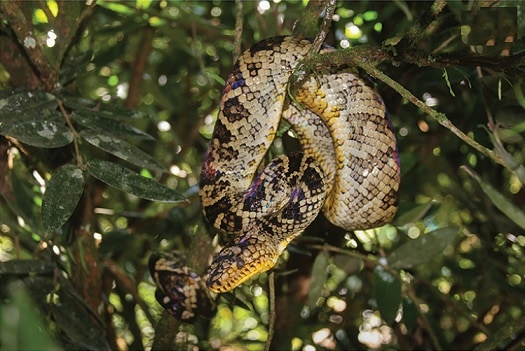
<point x="128" y="181"/>
<point x="101" y="110"/>
<point x="24" y="267"/>
<point x="61" y="197"/>
<point x="122" y="149"/>
<point x="73" y="317"/>
<point x="422" y="249"/>
<point x="98" y="122"/>
<point x="410" y="313"/>
<point x="410" y="213"/>
<point x="407" y="162"/>
<point x="509" y="136"/>
<point x="388" y="294"/>
<point x="513" y="212"/>
<point x="16" y="105"/>
<point x="22" y="325"/>
<point x="32" y="118"/>
<point x="216" y="77"/>
<point x="23" y="195"/>
<point x="74" y="324"/>
<point x="503" y="337"/>
<point x="445" y="75"/>
<point x="40" y="132"/>
<point x="350" y="265"/>
<point x="73" y="66"/>
<point x="319" y="276"/>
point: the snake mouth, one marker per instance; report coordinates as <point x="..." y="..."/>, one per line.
<point x="239" y="262"/>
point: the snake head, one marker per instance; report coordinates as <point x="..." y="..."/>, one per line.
<point x="179" y="289"/>
<point x="246" y="257"/>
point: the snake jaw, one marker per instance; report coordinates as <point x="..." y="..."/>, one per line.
<point x="248" y="256"/>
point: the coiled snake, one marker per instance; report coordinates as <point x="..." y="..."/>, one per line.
<point x="348" y="166"/>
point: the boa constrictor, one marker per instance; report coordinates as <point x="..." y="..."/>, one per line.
<point x="348" y="166"/>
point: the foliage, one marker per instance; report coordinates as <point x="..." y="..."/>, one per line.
<point x="105" y="113"/>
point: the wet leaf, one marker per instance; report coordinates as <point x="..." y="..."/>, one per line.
<point x="122" y="149"/>
<point x="101" y="110"/>
<point x="388" y="294"/>
<point x="16" y="105"/>
<point x="61" y="197"/>
<point x="41" y="128"/>
<point x="73" y="66"/>
<point x="130" y="182"/>
<point x="422" y="249"/>
<point x="99" y="123"/>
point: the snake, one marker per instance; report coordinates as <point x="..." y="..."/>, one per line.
<point x="347" y="167"/>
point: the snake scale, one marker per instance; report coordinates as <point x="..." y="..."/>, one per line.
<point x="348" y="166"/>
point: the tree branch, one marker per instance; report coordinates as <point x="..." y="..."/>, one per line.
<point x="308" y="26"/>
<point x="139" y="66"/>
<point x="23" y="29"/>
<point x="439" y="117"/>
<point x="237" y="47"/>
<point x="362" y="56"/>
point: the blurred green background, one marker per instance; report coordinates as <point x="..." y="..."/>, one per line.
<point x="106" y="109"/>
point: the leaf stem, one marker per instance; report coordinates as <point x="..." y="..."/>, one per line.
<point x="78" y="156"/>
<point x="272" y="314"/>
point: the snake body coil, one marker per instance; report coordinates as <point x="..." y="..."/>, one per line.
<point x="348" y="166"/>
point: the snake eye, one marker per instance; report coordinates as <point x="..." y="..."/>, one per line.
<point x="240" y="262"/>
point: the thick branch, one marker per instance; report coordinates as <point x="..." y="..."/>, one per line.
<point x="511" y="65"/>
<point x="362" y="56"/>
<point x="307" y="26"/>
<point x="139" y="66"/>
<point x="23" y="28"/>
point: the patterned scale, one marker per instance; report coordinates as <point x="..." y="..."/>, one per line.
<point x="348" y="166"/>
<point x="179" y="289"/>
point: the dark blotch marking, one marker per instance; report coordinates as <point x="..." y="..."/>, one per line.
<point x="222" y="133"/>
<point x="311" y="176"/>
<point x="234" y="111"/>
<point x="266" y="44"/>
<point x="239" y="262"/>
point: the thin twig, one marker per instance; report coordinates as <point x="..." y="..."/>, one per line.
<point x="271" y="318"/>
<point x="126" y="283"/>
<point x="139" y="66"/>
<point x="339" y="250"/>
<point x="237" y="44"/>
<point x="307" y="26"/>
<point x="325" y="27"/>
<point x="352" y="253"/>
<point x="426" y="324"/>
<point x="439" y="117"/>
<point x="76" y="136"/>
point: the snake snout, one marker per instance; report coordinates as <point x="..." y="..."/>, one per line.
<point x="239" y="262"/>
